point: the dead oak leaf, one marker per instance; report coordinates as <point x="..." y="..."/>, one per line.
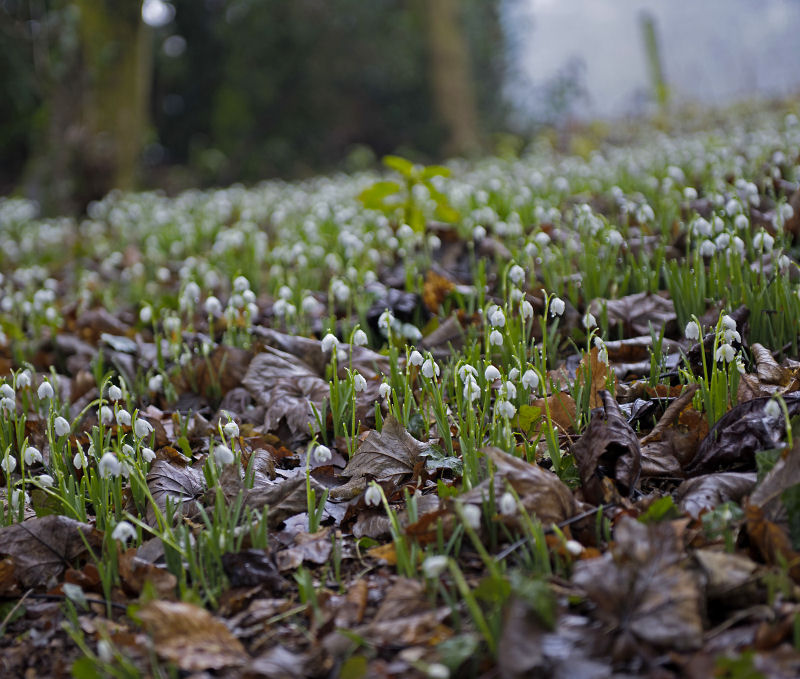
<point x="43" y="547"/>
<point x="190" y="636"/>
<point x="177" y="485"/>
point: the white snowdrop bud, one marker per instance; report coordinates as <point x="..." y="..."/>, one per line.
<point x="322" y="454"/>
<point x="148" y="455"/>
<point x="496" y="338"/>
<point x="385" y="390"/>
<point x="155" y="383"/>
<point x="505" y="409"/>
<point x="61" y="426"/>
<point x="45" y="480"/>
<point x="212" y="306"/>
<point x="123" y="418"/>
<point x="8" y="463"/>
<point x="692" y="331"/>
<point x="513" y="374"/>
<point x="372" y="497"/>
<point x="429" y="369"/>
<point x="240" y="284"/>
<point x="123" y="532"/>
<point x="557" y="306"/>
<point x="146" y="314"/>
<point x="763" y="241"/>
<point x="114" y="393"/>
<point x="109" y="466"/>
<point x="329" y="342"/>
<point x="223" y="454"/>
<point x="359" y="383"/>
<point x="77" y="461"/>
<point x="589" y="321"/>
<point x="497" y="318"/>
<point x="508" y="505"/>
<point x="574" y="547"/>
<point x="491" y="373"/>
<point x="360" y="338"/>
<point x="106" y="415"/>
<point x="142" y="428"/>
<point x="7" y="391"/>
<point x="472" y="516"/>
<point x="416" y="358"/>
<point x="516" y="274"/>
<point x="511" y="390"/>
<point x="231" y="429"/>
<point x="434" y="566"/>
<point x="23" y="379"/>
<point x="526" y="309"/>
<point x="530" y="380"/>
<point x="45" y="391"/>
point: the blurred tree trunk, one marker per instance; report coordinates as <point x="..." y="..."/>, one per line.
<point x="97" y="109"/>
<point x="453" y="93"/>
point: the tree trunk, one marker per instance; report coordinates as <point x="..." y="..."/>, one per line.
<point x="453" y="94"/>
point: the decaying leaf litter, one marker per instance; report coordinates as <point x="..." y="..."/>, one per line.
<point x="514" y="419"/>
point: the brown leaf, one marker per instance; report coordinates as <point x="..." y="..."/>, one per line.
<point x="608" y="449"/>
<point x="285" y="498"/>
<point x="641" y="591"/>
<point x="636" y="312"/>
<point x="767" y="367"/>
<point x="389" y="456"/>
<point x="43" y="547"/>
<point x="706" y="492"/>
<point x="251" y="568"/>
<point x="599" y="375"/>
<point x="563" y="410"/>
<point x="135" y="572"/>
<point x="784" y="475"/>
<point x="772" y="541"/>
<point x="190" y="636"/>
<point x="308" y="547"/>
<point x="179" y="485"/>
<point x="435" y="290"/>
<point x="541" y="492"/>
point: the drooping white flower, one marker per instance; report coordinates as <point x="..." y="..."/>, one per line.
<point x="725" y="352"/>
<point x="7" y="405"/>
<point x="77" y="460"/>
<point x="472" y="516"/>
<point x="106" y="415"/>
<point x="526" y="309"/>
<point x="466" y="369"/>
<point x="416" y="358"/>
<point x="496" y="338"/>
<point x="23" y="379"/>
<point x="772" y="409"/>
<point x="731" y="336"/>
<point x="372" y="497"/>
<point x="471" y="389"/>
<point x="513" y="374"/>
<point x="497" y="318"/>
<point x="516" y="274"/>
<point x="429" y="368"/>
<point x="19" y="498"/>
<point x="109" y="466"/>
<point x="148" y="455"/>
<point x="45" y="391"/>
<point x="508" y="504"/>
<point x="240" y="284"/>
<point x="231" y="429"/>
<point x="212" y="306"/>
<point x="45" y="480"/>
<point x="707" y="248"/>
<point x="123" y="418"/>
<point x="155" y="383"/>
<point x="763" y="241"/>
<point x="530" y="380"/>
<point x="142" y="428"/>
<point x="223" y="454"/>
<point x="7" y="391"/>
<point x="385" y="390"/>
<point x="491" y="373"/>
<point x="146" y="314"/>
<point x="322" y="454"/>
<point x="123" y="532"/>
<point x="359" y="383"/>
<point x="329" y="342"/>
<point x="386" y="321"/>
<point x="114" y="393"/>
<point x="31" y="455"/>
<point x="61" y="426"/>
<point x="8" y="463"/>
<point x="557" y="306"/>
<point x="511" y="389"/>
<point x="574" y="547"/>
<point x="692" y="330"/>
<point x="360" y="338"/>
<point x="434" y="566"/>
<point x="505" y="409"/>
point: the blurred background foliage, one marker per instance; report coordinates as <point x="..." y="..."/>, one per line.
<point x="208" y="92"/>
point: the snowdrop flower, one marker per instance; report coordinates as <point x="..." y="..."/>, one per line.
<point x="741" y="222"/>
<point x="142" y="428"/>
<point x="707" y="248"/>
<point x="763" y="241"/>
<point x="430" y="369"/>
<point x="109" y="466"/>
<point x="123" y="532"/>
<point x="737" y="244"/>
<point x="466" y="369"/>
<point x="77" y="460"/>
<point x="23" y="379"/>
<point x="322" y="454"/>
<point x="310" y="305"/>
<point x="505" y="409"/>
<point x="471" y="389"/>
<point x="61" y="426"/>
<point x="690" y="193"/>
<point x="146" y="314"/>
<point x="7" y="391"/>
<point x="240" y="284"/>
<point x="385" y="390"/>
<point x="728" y="323"/>
<point x="31" y="456"/>
<point x="434" y="566"/>
<point x="385" y="321"/>
<point x="491" y="373"/>
<point x="772" y="409"/>
<point x="530" y="380"/>
<point x="8" y="463"/>
<point x="360" y="338"/>
<point x="511" y="390"/>
<point x="223" y="454"/>
<point x="359" y="383"/>
<point x="45" y="480"/>
<point x="155" y="383"/>
<point x="123" y="418"/>
<point x="496" y="338"/>
<point x="128" y="449"/>
<point x="411" y="332"/>
<point x="692" y="331"/>
<point x="212" y="306"/>
<point x="508" y="505"/>
<point x="574" y="547"/>
<point x="513" y="374"/>
<point x="416" y="358"/>
<point x="329" y="342"/>
<point x="722" y="241"/>
<point x="148" y="455"/>
<point x="472" y="516"/>
<point x="106" y="415"/>
<point x="557" y="306"/>
<point x="516" y="274"/>
<point x="478" y="233"/>
<point x="725" y="352"/>
<point x="231" y="429"/>
<point x="19" y="499"/>
<point x="497" y="318"/>
<point x="589" y="321"/>
<point x="515" y="295"/>
<point x="372" y="497"/>
<point x="701" y="228"/>
<point x="114" y="393"/>
<point x="602" y="350"/>
<point x="45" y="391"/>
<point x="7" y="405"/>
<point x="526" y="309"/>
<point x="731" y="336"/>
